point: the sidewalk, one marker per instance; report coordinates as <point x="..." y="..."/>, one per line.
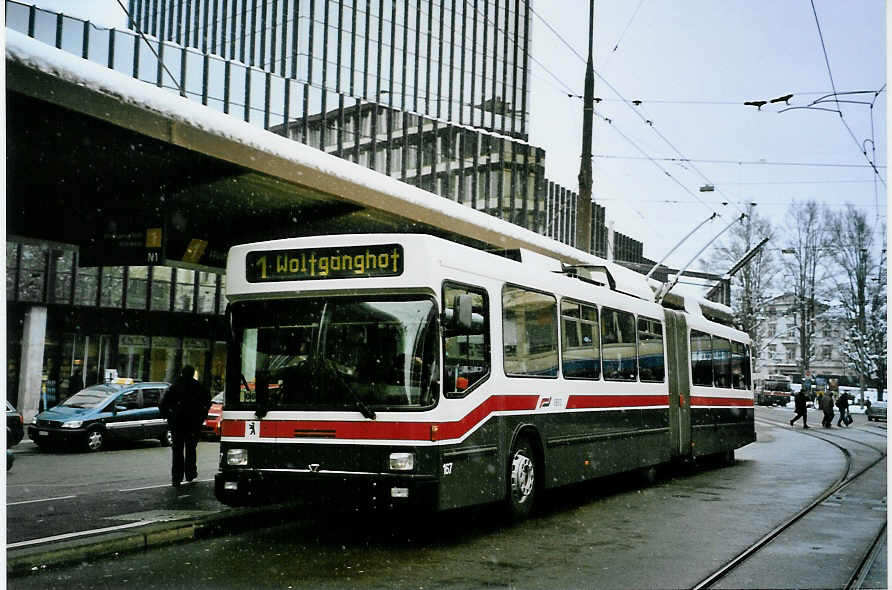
<point x="157" y="529"/>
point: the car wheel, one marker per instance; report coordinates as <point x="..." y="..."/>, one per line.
<point x="95" y="439"/>
<point x="166" y="438"/>
<point x="521" y="479"/>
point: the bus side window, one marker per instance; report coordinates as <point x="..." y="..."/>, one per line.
<point x="651" y="363"/>
<point x="580" y="341"/>
<point x="465" y="351"/>
<point x="701" y="358"/>
<point x="618" y="343"/>
<point x="721" y="361"/>
<point x="739" y="366"/>
<point x="529" y="332"/>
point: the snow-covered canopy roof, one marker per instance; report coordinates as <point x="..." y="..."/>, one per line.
<point x="258" y="178"/>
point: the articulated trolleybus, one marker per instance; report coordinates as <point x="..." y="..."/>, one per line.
<point x="403" y="370"/>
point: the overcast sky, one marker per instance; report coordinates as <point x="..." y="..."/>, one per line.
<point x="692" y="64"/>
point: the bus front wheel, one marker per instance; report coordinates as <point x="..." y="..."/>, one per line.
<point x="521" y="479"/>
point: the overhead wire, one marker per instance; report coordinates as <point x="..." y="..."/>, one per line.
<point x="623" y="34"/>
<point x="735" y="103"/>
<point x="836" y="95"/>
<point x="739" y="162"/>
<point x="874" y="147"/>
<point x="772" y="182"/>
<point x="645" y="155"/>
<point x="654" y="161"/>
<point x="759" y="203"/>
<point x="648" y="122"/>
<point x="149" y="45"/>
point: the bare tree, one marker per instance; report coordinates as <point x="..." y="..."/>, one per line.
<point x="860" y="289"/>
<point x="751" y="285"/>
<point x="804" y="245"/>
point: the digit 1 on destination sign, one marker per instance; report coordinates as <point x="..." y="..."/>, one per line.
<point x="261" y="262"/>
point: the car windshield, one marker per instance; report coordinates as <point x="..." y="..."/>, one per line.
<point x="90" y="397"/>
<point x="776" y="386"/>
<point x="336" y="353"/>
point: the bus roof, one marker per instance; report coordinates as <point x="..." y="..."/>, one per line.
<point x="593" y="269"/>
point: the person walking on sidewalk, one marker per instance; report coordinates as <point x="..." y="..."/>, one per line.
<point x="843" y="404"/>
<point x="801" y="411"/>
<point x="185" y="406"/>
<point x="827" y="407"/>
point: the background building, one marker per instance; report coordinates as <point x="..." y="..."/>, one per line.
<point x="781" y="354"/>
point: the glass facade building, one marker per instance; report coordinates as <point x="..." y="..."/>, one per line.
<point x="463" y="62"/>
<point x="143" y="322"/>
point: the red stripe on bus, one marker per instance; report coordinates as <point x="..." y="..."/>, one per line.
<point x="496" y="403"/>
<point x="616" y="401"/>
<point x="379" y="430"/>
<point x="721" y="401"/>
<point x="233" y="428"/>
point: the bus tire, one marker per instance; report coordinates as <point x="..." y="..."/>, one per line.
<point x="522" y="473"/>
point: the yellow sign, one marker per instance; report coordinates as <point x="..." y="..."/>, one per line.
<point x="379" y="260"/>
<point x="153" y="237"/>
<point x="195" y="250"/>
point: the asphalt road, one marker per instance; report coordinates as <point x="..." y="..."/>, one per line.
<point x="614" y="533"/>
<point x="57" y="493"/>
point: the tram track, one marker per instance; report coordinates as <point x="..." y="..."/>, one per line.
<point x="843" y="481"/>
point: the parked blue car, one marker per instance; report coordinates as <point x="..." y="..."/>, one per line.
<point x="92" y="416"/>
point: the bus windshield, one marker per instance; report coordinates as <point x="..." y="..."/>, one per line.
<point x="335" y="353"/>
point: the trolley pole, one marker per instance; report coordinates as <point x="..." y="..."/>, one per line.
<point x="584" y="203"/>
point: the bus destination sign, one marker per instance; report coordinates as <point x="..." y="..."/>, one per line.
<point x="378" y="260"/>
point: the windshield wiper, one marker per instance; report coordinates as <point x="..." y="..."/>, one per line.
<point x="363" y="408"/>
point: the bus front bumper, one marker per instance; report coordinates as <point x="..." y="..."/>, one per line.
<point x="376" y="491"/>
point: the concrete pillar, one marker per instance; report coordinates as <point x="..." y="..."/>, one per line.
<point x="31" y="365"/>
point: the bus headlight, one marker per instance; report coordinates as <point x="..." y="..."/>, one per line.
<point x="73" y="424"/>
<point x="402" y="461"/>
<point x="237" y="456"/>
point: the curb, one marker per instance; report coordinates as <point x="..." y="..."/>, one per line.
<point x="23" y="561"/>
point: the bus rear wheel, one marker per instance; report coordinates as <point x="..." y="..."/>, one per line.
<point x="521" y="479"/>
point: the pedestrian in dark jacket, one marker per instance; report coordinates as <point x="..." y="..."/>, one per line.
<point x="843" y="404"/>
<point x="800" y="401"/>
<point x="827" y="406"/>
<point x="185" y="406"/>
